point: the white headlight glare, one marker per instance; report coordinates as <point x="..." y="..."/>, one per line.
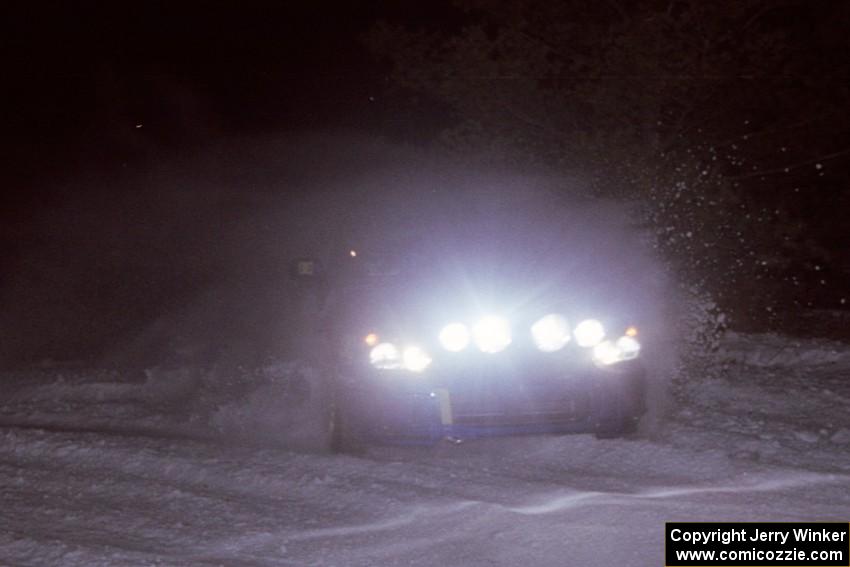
<point x="629" y="347"/>
<point x="492" y="334"/>
<point x="454" y="337"/>
<point x="550" y="333"/>
<point x="606" y="353"/>
<point x="589" y="332"/>
<point x="385" y="355"/>
<point x="415" y="359"/>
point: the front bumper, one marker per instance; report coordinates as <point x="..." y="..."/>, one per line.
<point x="480" y="401"/>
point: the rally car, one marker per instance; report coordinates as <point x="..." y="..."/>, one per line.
<point x="418" y="361"/>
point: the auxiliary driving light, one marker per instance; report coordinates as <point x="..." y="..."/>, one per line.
<point x="589" y="333"/>
<point x="606" y="353"/>
<point x="629" y="347"/>
<point x="385" y="356"/>
<point x="492" y="334"/>
<point x="550" y="333"/>
<point x="415" y="359"/>
<point x="454" y="337"/>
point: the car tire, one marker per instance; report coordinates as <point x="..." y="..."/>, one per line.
<point x="341" y="439"/>
<point x="630" y="407"/>
<point x="615" y="429"/>
<point x="335" y="435"/>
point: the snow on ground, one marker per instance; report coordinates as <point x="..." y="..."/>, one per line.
<point x="182" y="467"/>
<point x="779" y="400"/>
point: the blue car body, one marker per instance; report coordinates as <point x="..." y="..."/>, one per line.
<point x="473" y="394"/>
<point x="472" y="391"/>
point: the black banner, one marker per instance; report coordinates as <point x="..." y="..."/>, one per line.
<point x="767" y="544"/>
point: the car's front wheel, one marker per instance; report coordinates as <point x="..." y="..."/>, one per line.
<point x="614" y="429"/>
<point x="620" y="405"/>
<point x="341" y="435"/>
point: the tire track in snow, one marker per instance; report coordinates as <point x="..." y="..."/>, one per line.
<point x="782" y="482"/>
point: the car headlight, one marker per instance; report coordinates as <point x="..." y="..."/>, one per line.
<point x="454" y="337"/>
<point x="629" y="347"/>
<point x="550" y="333"/>
<point x="492" y="334"/>
<point x="415" y="359"/>
<point x="385" y="356"/>
<point x="607" y="352"/>
<point x="589" y="333"/>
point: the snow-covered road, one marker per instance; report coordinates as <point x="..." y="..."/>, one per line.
<point x="98" y="473"/>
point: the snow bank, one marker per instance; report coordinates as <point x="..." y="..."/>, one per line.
<point x="772" y="350"/>
<point x="282" y="404"/>
<point x="771" y="399"/>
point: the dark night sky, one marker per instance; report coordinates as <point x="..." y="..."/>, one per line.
<point x="248" y="67"/>
<point x="84" y="74"/>
<point x="79" y="79"/>
<point x="96" y="90"/>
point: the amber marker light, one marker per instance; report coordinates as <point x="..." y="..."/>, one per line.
<point x="631" y="332"/>
<point x="371" y="339"/>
